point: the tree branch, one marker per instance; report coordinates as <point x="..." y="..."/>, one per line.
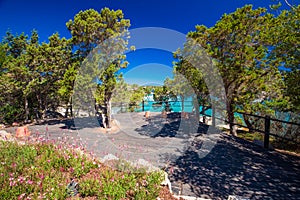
<point x="290" y="5"/>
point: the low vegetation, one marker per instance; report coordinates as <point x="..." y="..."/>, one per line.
<point x="51" y="170"/>
<point x="276" y="143"/>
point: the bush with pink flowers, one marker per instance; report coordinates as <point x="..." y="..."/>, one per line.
<point x="44" y="169"/>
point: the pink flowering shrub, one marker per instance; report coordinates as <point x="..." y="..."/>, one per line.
<point x="42" y="170"/>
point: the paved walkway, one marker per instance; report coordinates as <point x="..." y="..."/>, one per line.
<point x="211" y="165"/>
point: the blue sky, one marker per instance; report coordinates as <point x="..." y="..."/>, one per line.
<point x="48" y="17"/>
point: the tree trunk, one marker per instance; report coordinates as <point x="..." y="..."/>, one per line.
<point x="248" y="123"/>
<point x="230" y="115"/>
<point x="40" y="103"/>
<point x="71" y="106"/>
<point x="67" y="109"/>
<point x="45" y="104"/>
<point x="182" y="104"/>
<point x="197" y="109"/>
<point x="108" y="113"/>
<point x="203" y="113"/>
<point x="26" y="110"/>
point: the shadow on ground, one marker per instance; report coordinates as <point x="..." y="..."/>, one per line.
<point x="173" y="125"/>
<point x="237" y="167"/>
<point x="232" y="167"/>
<point x="75" y="123"/>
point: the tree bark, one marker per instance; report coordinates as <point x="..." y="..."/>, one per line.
<point x="26" y="110"/>
<point x="203" y="113"/>
<point x="67" y="109"/>
<point x="108" y="113"/>
<point x="230" y="115"/>
<point x="71" y="106"/>
<point x="40" y="106"/>
<point x="248" y="123"/>
<point x="197" y="109"/>
<point x="182" y="103"/>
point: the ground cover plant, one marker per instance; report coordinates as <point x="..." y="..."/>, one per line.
<point x="50" y="170"/>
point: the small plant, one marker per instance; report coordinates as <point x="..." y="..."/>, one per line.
<point x="43" y="170"/>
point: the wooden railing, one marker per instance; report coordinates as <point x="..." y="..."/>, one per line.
<point x="267" y="122"/>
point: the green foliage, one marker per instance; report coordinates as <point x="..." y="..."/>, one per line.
<point x="251" y="136"/>
<point x="179" y="86"/>
<point x="247" y="47"/>
<point x="122" y="183"/>
<point x="31" y="73"/>
<point x="15" y="45"/>
<point x="162" y="94"/>
<point x="90" y="28"/>
<point x="42" y="75"/>
<point x="239" y="45"/>
<point x="3" y="57"/>
<point x="130" y="96"/>
<point x="23" y="176"/>
<point x="293" y="89"/>
<point x="11" y="113"/>
<point x="101" y="39"/>
<point x="43" y="169"/>
<point x="193" y="76"/>
<point x="137" y="95"/>
<point x="285" y="39"/>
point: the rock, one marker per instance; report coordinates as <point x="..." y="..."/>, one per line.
<point x="15" y="124"/>
<point x="73" y="188"/>
<point x="109" y="157"/>
<point x="223" y="126"/>
<point x="141" y="163"/>
<point x="147" y="114"/>
<point x="184" y="115"/>
<point x="243" y="129"/>
<point x="167" y="182"/>
<point x="191" y="198"/>
<point x="53" y="115"/>
<point x="234" y="197"/>
<point x="22" y="132"/>
<point x="164" y="114"/>
<point x="5" y="135"/>
<point x="2" y="126"/>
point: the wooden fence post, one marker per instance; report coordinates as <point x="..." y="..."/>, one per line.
<point x="267" y="132"/>
<point x="143" y="105"/>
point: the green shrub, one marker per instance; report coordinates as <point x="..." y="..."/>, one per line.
<point x="43" y="170"/>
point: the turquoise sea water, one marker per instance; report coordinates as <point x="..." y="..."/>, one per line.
<point x="175" y="106"/>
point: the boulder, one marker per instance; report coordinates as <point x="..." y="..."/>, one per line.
<point x="15" y="124"/>
<point x="184" y="115"/>
<point x="234" y="197"/>
<point x="108" y="157"/>
<point x="5" y="135"/>
<point x="167" y="182"/>
<point x="22" y="132"/>
<point x="147" y="114"/>
<point x="164" y="114"/>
